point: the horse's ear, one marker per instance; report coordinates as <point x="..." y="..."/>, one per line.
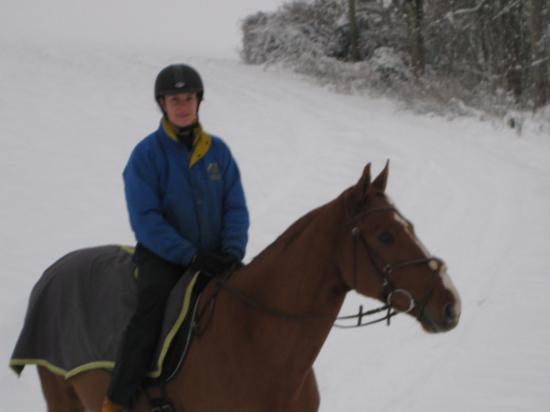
<point x="379" y="184"/>
<point x="363" y="185"/>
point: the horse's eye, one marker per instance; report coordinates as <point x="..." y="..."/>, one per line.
<point x="386" y="238"/>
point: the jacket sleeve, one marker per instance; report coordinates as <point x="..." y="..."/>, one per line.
<point x="235" y="212"/>
<point x="143" y="199"/>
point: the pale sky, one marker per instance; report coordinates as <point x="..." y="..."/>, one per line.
<point x="199" y="26"/>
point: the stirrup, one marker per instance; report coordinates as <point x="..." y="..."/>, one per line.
<point x="161" y="405"/>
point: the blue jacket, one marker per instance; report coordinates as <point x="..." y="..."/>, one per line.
<point x="180" y="201"/>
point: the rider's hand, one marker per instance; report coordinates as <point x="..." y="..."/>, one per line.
<point x="213" y="263"/>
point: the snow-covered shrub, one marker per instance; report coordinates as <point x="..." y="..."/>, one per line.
<point x="297" y="28"/>
<point x="313" y="38"/>
<point x="467" y="53"/>
<point x="390" y="65"/>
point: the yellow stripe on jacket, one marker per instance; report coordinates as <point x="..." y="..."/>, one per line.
<point x="201" y="142"/>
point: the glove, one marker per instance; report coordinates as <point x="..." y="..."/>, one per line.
<point x="213" y="263"/>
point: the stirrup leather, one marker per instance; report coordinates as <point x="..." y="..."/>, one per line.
<point x="161" y="405"/>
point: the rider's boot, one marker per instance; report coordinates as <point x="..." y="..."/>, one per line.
<point x="109" y="406"/>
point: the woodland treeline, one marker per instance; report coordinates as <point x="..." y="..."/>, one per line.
<point x="488" y="54"/>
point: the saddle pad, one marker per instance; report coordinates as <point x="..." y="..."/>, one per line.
<point x="79" y="309"/>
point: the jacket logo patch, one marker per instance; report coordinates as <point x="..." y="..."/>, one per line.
<point x="214" y="171"/>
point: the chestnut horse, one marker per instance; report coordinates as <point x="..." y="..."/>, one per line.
<point x="252" y="358"/>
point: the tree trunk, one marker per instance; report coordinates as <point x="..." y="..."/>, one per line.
<point x="415" y="17"/>
<point x="539" y="67"/>
<point x="353" y="31"/>
<point x="510" y="21"/>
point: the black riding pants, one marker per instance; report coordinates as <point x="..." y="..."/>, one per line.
<point x="156" y="279"/>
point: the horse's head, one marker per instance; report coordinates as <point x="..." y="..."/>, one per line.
<point x="381" y="257"/>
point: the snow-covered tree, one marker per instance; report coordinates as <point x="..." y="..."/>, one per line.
<point x="486" y="53"/>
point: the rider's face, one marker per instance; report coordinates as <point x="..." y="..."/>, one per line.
<point x="181" y="109"/>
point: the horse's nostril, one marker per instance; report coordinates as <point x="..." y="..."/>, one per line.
<point x="450" y="314"/>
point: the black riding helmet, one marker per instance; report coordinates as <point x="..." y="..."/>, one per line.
<point x="178" y="78"/>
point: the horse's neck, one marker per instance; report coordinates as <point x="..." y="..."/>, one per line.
<point x="300" y="268"/>
<point x="256" y="358"/>
<point x="297" y="274"/>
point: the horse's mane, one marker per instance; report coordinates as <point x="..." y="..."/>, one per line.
<point x="292" y="233"/>
<point x="296" y="230"/>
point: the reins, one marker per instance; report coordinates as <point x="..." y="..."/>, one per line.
<point x="382" y="268"/>
<point x="223" y="283"/>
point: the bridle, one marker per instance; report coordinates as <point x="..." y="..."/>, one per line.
<point x="382" y="268"/>
<point x="385" y="271"/>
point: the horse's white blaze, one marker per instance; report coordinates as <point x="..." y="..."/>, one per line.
<point x="450" y="286"/>
<point x="445" y="278"/>
<point x="401" y="220"/>
<point x="409" y="230"/>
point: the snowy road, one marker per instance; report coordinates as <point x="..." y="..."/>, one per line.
<point x="478" y="194"/>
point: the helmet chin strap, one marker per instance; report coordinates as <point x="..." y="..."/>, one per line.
<point x="186" y="134"/>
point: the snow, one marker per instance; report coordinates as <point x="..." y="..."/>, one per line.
<point x="75" y="100"/>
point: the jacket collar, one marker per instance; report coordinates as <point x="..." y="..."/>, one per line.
<point x="201" y="142"/>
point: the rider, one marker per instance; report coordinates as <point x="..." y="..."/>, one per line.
<point x="187" y="209"/>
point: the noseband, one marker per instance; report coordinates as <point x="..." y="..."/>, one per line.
<point x="385" y="271"/>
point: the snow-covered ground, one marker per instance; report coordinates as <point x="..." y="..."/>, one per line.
<point x="479" y="195"/>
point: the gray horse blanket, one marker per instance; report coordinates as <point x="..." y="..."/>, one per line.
<point x="79" y="309"/>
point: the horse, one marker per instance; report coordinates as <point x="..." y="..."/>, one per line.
<point x="272" y="316"/>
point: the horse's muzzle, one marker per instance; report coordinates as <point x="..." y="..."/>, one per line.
<point x="440" y="322"/>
